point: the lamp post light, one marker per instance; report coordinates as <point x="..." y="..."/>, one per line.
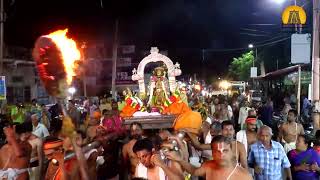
<point x="72" y="90"/>
<point x="282" y="1"/>
<point x="279" y="1"/>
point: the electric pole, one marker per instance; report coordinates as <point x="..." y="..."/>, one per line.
<point x="114" y="61"/>
<point x="1" y="36"/>
<point x="315" y="52"/>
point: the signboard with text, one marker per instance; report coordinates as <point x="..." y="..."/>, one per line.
<point x="300" y="48"/>
<point x="124" y="77"/>
<point x="3" y="92"/>
<point x="124" y="62"/>
<point x="292" y="79"/>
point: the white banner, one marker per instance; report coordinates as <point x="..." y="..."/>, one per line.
<point x="253" y="72"/>
<point x="300" y="48"/>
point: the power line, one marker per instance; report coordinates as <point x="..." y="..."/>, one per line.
<point x="254" y="30"/>
<point x="255" y="35"/>
<point x="257" y="44"/>
<point x="275" y="37"/>
<point x="240" y="49"/>
<point x="274" y="42"/>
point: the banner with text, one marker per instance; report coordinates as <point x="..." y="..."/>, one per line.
<point x="3" y="92"/>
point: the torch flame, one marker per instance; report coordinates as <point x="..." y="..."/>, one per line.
<point x="69" y="51"/>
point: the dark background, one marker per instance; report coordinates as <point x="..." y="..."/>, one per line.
<point x="224" y="28"/>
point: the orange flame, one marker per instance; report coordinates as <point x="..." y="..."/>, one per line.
<point x="69" y="51"/>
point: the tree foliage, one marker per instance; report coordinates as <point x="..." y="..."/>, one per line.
<point x="239" y="69"/>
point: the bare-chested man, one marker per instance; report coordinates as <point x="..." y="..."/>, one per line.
<point x="249" y="135"/>
<point x="15" y="155"/>
<point x="215" y="130"/>
<point x="238" y="148"/>
<point x="93" y="126"/>
<point x="90" y="156"/>
<point x="151" y="166"/>
<point x="128" y="155"/>
<point x="289" y="131"/>
<point x="222" y="167"/>
<point x="37" y="154"/>
<point x="74" y="168"/>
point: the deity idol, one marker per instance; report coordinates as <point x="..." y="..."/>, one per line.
<point x="158" y="89"/>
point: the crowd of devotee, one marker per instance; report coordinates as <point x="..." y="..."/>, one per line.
<point x="238" y="139"/>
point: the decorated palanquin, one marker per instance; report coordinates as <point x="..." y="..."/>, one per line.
<point x="160" y="103"/>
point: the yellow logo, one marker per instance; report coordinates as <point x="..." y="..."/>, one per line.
<point x="294" y="15"/>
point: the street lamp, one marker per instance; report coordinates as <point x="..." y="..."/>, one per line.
<point x="72" y="90"/>
<point x="282" y="1"/>
<point x="250" y="46"/>
<point x="279" y="1"/>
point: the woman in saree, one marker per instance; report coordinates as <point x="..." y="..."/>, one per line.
<point x="304" y="160"/>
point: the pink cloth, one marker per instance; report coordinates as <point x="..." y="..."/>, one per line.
<point x="113" y="124"/>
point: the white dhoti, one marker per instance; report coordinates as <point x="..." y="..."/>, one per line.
<point x="34" y="170"/>
<point x="11" y="173"/>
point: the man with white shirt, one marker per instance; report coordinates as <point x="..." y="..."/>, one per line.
<point x="39" y="129"/>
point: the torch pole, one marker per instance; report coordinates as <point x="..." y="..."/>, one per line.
<point x="84" y="77"/>
<point x="114" y="61"/>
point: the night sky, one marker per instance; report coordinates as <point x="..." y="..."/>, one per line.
<point x="183" y="27"/>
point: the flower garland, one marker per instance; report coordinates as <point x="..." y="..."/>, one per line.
<point x="134" y="102"/>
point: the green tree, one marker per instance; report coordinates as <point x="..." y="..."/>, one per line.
<point x="239" y="68"/>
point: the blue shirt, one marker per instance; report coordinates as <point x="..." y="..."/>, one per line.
<point x="271" y="161"/>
